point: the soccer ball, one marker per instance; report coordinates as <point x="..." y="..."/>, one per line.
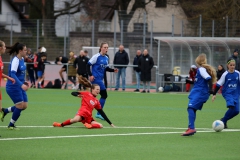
<point x="218" y="126"/>
<point x="160" y="89"/>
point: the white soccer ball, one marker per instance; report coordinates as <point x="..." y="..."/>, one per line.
<point x="218" y="126"/>
<point x="160" y="89"/>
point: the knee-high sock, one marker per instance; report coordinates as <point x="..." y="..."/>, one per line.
<point x="191" y="118"/>
<point x="102" y="102"/>
<point x="9" y="109"/>
<point x="16" y="114"/>
<point x="188" y="87"/>
<point x="96" y="126"/>
<point x="65" y="123"/>
<point x="229" y="115"/>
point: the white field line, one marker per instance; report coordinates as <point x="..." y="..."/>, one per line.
<point x="104" y="135"/>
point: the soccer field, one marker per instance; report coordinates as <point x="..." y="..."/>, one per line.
<point x="148" y="127"/>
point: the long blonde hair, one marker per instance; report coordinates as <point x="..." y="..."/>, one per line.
<point x="201" y="60"/>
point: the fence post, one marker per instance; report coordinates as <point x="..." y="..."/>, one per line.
<point x="172" y="25"/>
<point x="11" y="33"/>
<point x="93" y="26"/>
<point x="182" y="29"/>
<point x="65" y="40"/>
<point x="114" y="29"/>
<point x="122" y="32"/>
<point x="200" y="26"/>
<point x="226" y="26"/>
<point x="213" y="28"/>
<point x="144" y="31"/>
<point x="151" y="38"/>
<point x="37" y="34"/>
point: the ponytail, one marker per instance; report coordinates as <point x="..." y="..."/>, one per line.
<point x="15" y="48"/>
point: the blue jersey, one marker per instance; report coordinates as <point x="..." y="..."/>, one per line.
<point x="16" y="70"/>
<point x="99" y="64"/>
<point x="231" y="85"/>
<point x="199" y="94"/>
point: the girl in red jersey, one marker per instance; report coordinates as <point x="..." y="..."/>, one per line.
<point x="89" y="102"/>
<point x="2" y="51"/>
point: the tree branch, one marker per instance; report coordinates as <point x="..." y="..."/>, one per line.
<point x="71" y="7"/>
<point x="34" y="6"/>
<point x="63" y="13"/>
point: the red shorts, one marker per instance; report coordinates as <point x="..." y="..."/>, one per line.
<point x="85" y="119"/>
<point x="0" y="95"/>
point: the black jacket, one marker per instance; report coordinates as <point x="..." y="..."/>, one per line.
<point x="81" y="64"/>
<point x="237" y="62"/>
<point x="121" y="58"/>
<point x="145" y="63"/>
<point x="135" y="62"/>
<point x="219" y="73"/>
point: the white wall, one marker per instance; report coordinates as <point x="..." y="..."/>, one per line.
<point x="8" y="15"/>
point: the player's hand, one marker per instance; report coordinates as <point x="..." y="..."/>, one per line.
<point x="11" y="79"/>
<point x="91" y="78"/>
<point x="113" y="126"/>
<point x="213" y="97"/>
<point x="115" y="70"/>
<point x="25" y="86"/>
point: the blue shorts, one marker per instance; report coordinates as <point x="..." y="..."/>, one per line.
<point x="17" y="95"/>
<point x="39" y="73"/>
<point x="232" y="102"/>
<point x="100" y="83"/>
<point x="197" y="99"/>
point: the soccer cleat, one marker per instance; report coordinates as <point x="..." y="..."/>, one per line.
<point x="225" y="124"/>
<point x="56" y="124"/>
<point x="2" y="114"/>
<point x="189" y="132"/>
<point x="13" y="128"/>
<point x="99" y="116"/>
<point x="87" y="125"/>
<point x="143" y="91"/>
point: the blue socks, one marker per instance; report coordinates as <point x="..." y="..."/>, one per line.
<point x="191" y="118"/>
<point x="15" y="116"/>
<point x="231" y="112"/>
<point x="9" y="109"/>
<point x="102" y="102"/>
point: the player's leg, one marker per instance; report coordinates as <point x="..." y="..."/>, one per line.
<point x="63" y="69"/>
<point x="76" y="119"/>
<point x="6" y="111"/>
<point x="102" y="101"/>
<point x="93" y="124"/>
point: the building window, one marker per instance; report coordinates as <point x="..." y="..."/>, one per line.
<point x="161" y="3"/>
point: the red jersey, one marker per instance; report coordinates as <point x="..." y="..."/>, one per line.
<point x="89" y="102"/>
<point x="1" y="69"/>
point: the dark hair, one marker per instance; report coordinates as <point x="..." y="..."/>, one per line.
<point x="102" y="45"/>
<point x="39" y="47"/>
<point x="57" y="59"/>
<point x="85" y="51"/>
<point x="16" y="48"/>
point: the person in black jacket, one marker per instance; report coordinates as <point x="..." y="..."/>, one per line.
<point x="137" y="70"/>
<point x="220" y="71"/>
<point x="121" y="58"/>
<point x="237" y="61"/>
<point x="145" y="64"/>
<point x="61" y="60"/>
<point x="80" y="64"/>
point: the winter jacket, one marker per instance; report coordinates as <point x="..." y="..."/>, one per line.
<point x="219" y="73"/>
<point x="81" y="63"/>
<point x="121" y="58"/>
<point x="71" y="68"/>
<point x="145" y="63"/>
<point x="135" y="62"/>
<point x="237" y="62"/>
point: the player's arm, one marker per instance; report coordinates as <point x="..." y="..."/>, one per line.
<point x="89" y="69"/>
<point x="102" y="113"/>
<point x="110" y="69"/>
<point x="76" y="94"/>
<point x="9" y="78"/>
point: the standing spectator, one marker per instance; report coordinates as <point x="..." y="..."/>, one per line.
<point x="80" y="64"/>
<point x="40" y="70"/>
<point x="30" y="67"/>
<point x="71" y="70"/>
<point x="35" y="61"/>
<point x="61" y="60"/>
<point x="121" y="58"/>
<point x="206" y="76"/>
<point x="191" y="78"/>
<point x="99" y="63"/>
<point x="235" y="57"/>
<point x="137" y="70"/>
<point x="230" y="80"/>
<point x="2" y="51"/>
<point x="105" y="74"/>
<point x="146" y="64"/>
<point x="17" y="91"/>
<point x="220" y="71"/>
<point x="42" y="51"/>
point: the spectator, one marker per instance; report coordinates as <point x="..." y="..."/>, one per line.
<point x="121" y="58"/>
<point x="235" y="57"/>
<point x="191" y="78"/>
<point x="145" y="64"/>
<point x="61" y="60"/>
<point x="42" y="51"/>
<point x="220" y="71"/>
<point x="71" y="70"/>
<point x="137" y="70"/>
<point x="35" y="61"/>
<point x="30" y="68"/>
<point x="80" y="64"/>
<point x="40" y="70"/>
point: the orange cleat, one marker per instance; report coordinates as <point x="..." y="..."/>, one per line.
<point x="56" y="124"/>
<point x="87" y="125"/>
<point x="189" y="132"/>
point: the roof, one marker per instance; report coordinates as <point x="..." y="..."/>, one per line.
<point x="15" y="9"/>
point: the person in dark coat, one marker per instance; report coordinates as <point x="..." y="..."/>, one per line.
<point x="146" y="64"/>
<point x="137" y="70"/>
<point x="220" y="71"/>
<point x="237" y="61"/>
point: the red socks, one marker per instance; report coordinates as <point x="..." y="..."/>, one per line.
<point x="96" y="126"/>
<point x="188" y="85"/>
<point x="67" y="122"/>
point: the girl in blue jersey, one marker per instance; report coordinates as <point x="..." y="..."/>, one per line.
<point x="230" y="80"/>
<point x="17" y="91"/>
<point x="205" y="77"/>
<point x="99" y="63"/>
